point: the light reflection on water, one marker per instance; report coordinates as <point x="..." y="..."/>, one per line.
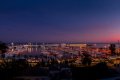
<point x="32" y="51"/>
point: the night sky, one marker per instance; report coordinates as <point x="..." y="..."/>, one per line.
<point x="60" y="20"/>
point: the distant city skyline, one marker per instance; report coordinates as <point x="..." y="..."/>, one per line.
<point x="60" y="20"/>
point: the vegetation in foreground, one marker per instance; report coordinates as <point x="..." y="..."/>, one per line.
<point x="10" y="70"/>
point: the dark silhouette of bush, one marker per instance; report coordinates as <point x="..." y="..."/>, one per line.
<point x="101" y="70"/>
<point x="10" y="69"/>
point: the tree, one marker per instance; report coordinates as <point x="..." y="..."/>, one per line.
<point x="3" y="49"/>
<point x="86" y="60"/>
<point x="112" y="49"/>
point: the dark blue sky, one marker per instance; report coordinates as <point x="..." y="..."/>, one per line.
<point x="60" y="20"/>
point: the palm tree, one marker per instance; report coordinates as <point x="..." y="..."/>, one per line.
<point x="3" y="49"/>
